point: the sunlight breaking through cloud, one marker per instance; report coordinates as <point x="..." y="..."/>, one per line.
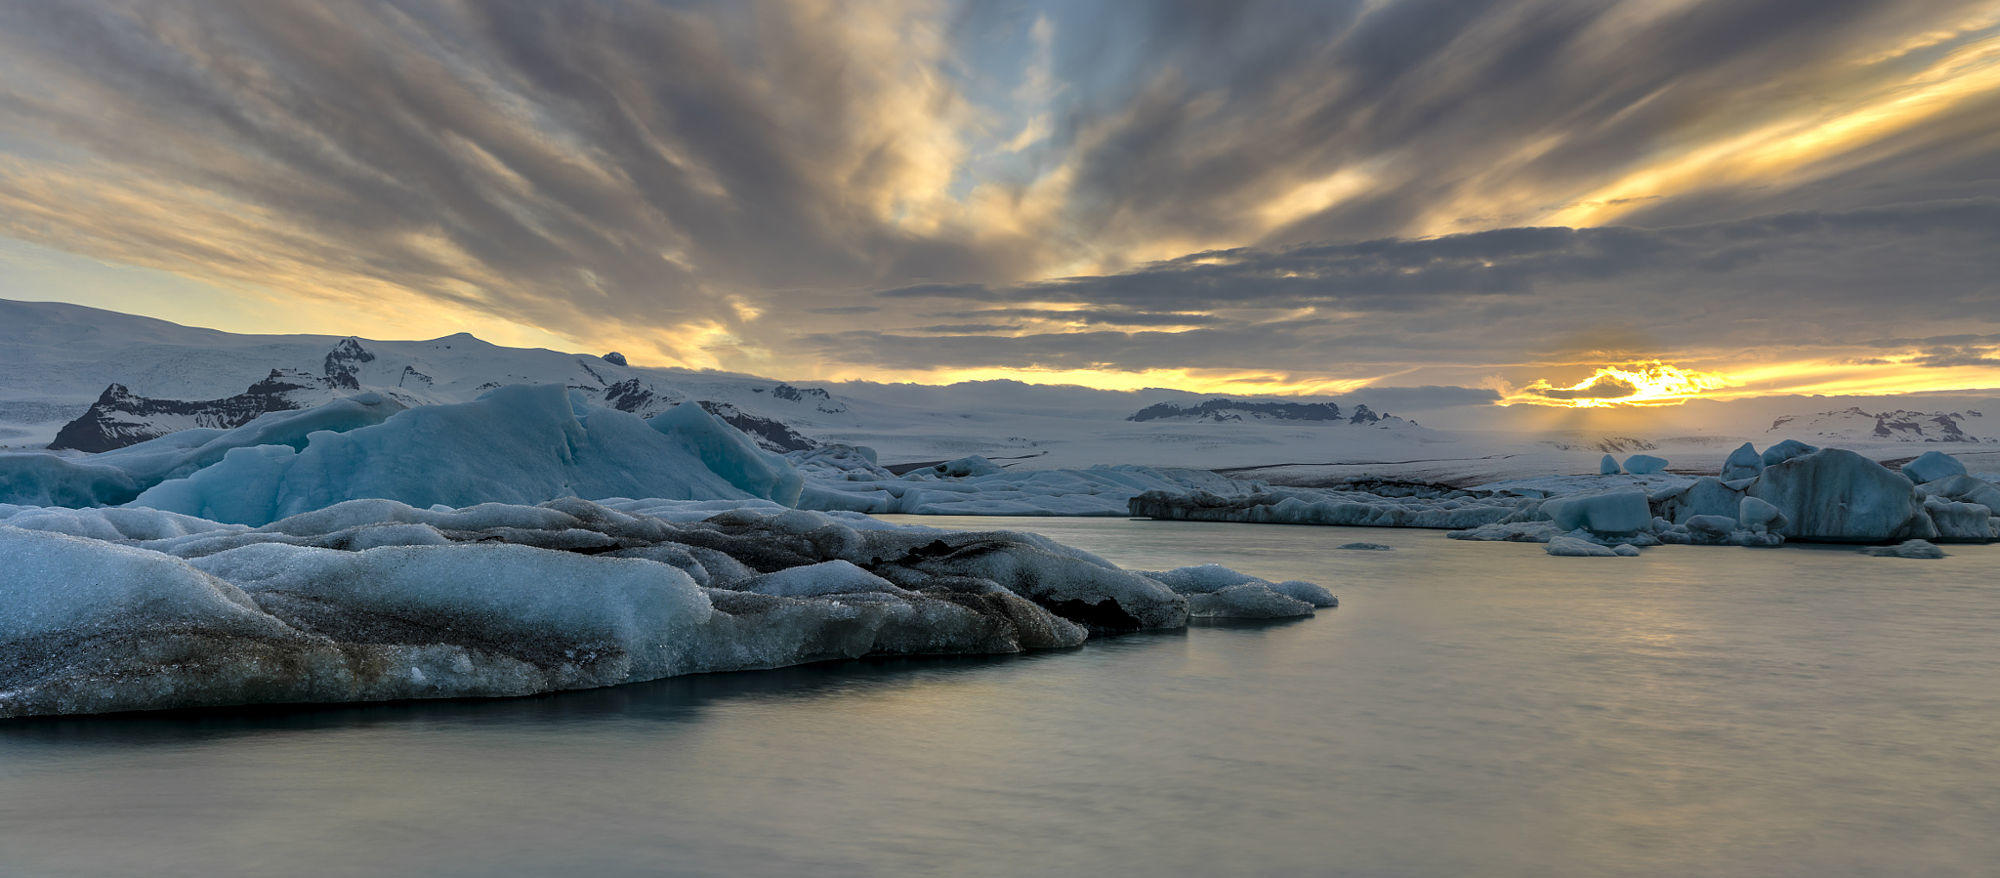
<point x="1644" y="384"/>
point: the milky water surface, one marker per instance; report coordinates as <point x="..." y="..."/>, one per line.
<point x="1469" y="709"/>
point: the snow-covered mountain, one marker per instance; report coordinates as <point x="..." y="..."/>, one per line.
<point x="1856" y="425"/>
<point x="1222" y="410"/>
<point x="59" y="362"/>
<point x="90" y="380"/>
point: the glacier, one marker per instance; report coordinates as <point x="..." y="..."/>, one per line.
<point x="109" y="610"/>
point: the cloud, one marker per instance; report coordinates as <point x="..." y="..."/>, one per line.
<point x="1601" y="387"/>
<point x="1338" y="189"/>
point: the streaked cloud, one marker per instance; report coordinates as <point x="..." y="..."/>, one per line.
<point x="1482" y="194"/>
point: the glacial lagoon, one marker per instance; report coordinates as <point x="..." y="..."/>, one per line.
<point x="1471" y="708"/>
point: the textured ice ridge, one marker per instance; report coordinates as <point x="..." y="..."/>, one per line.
<point x="123" y="609"/>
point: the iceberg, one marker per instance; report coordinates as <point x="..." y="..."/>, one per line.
<point x="372" y="599"/>
<point x="1960" y="522"/>
<point x="966" y="466"/>
<point x="1758" y="516"/>
<point x="1743" y="463"/>
<point x="1932" y="466"/>
<point x="1433" y="508"/>
<point x="1906" y="549"/>
<point x="118" y="476"/>
<point x="1618" y="512"/>
<point x="1835" y="495"/>
<point x="1964" y="489"/>
<point x="846" y="483"/>
<point x="1216" y="592"/>
<point x="1785" y="451"/>
<point x="518" y="444"/>
<point x="1645" y="464"/>
<point x="1608" y="466"/>
<point x="1707" y="496"/>
<point x="1577" y="547"/>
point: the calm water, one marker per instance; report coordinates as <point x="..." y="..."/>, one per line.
<point x="1470" y="709"/>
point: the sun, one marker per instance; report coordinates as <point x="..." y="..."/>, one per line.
<point x="1645" y="383"/>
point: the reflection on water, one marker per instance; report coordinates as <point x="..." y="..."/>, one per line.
<point x="1470" y="709"/>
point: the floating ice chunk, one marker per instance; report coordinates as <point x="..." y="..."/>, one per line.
<point x="1212" y="578"/>
<point x="1960" y="522"/>
<point x="1617" y="512"/>
<point x="1707" y="496"/>
<point x="1713" y="527"/>
<point x="1645" y="464"/>
<point x="1785" y="451"/>
<point x="1367" y="547"/>
<point x="1743" y="463"/>
<point x="1575" y="547"/>
<point x="1758" y="516"/>
<point x="375" y="599"/>
<point x="964" y="467"/>
<point x="1098" y="490"/>
<point x="1837" y="495"/>
<point x="1964" y="489"/>
<point x="1906" y="549"/>
<point x="1608" y="466"/>
<point x="1448" y="508"/>
<point x="1625" y="550"/>
<point x="1932" y="466"/>
<point x="1247" y="601"/>
<point x="1509" y="532"/>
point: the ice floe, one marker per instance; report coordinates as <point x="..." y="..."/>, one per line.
<point x="135" y="609"/>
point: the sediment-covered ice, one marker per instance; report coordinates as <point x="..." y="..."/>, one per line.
<point x="1438" y="507"/>
<point x="1906" y="549"/>
<point x="134" y="609"/>
<point x="1098" y="490"/>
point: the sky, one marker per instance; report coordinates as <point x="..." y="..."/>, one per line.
<point x="1564" y="202"/>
